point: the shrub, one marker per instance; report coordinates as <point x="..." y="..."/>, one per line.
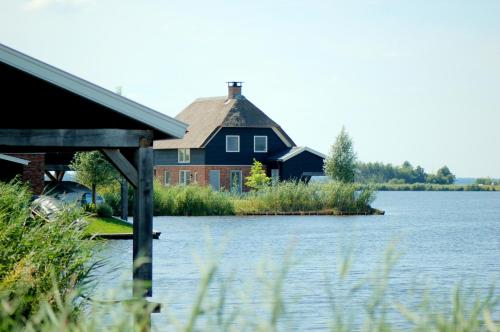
<point x="104" y="210"/>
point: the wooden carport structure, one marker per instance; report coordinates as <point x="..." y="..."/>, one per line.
<point x="45" y="109"/>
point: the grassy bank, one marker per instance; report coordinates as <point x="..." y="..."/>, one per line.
<point x="429" y="187"/>
<point x="285" y="197"/>
<point x="99" y="225"/>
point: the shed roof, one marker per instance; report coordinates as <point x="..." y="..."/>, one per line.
<point x="165" y="125"/>
<point x="295" y="151"/>
<point x="205" y="116"/>
<point x="14" y="159"/>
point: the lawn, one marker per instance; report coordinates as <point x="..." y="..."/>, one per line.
<point x="98" y="225"/>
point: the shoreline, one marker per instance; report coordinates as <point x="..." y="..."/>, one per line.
<point x="428" y="187"/>
<point x="372" y="212"/>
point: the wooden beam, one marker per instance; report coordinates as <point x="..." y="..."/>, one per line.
<point x="50" y="176"/>
<point x="76" y="138"/>
<point x="54" y="167"/>
<point x="143" y="223"/>
<point x="122" y="165"/>
<point x="60" y="175"/>
<point x="124" y="199"/>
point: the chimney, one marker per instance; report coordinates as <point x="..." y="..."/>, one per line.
<point x="233" y="90"/>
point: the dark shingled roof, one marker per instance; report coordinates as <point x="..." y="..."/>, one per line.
<point x="205" y="116"/>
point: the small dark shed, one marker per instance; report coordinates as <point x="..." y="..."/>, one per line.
<point x="299" y="163"/>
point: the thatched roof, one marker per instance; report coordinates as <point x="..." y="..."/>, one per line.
<point x="205" y="116"/>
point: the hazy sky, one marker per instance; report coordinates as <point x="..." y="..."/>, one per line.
<point x="410" y="80"/>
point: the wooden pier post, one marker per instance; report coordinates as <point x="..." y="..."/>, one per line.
<point x="124" y="199"/>
<point x="143" y="222"/>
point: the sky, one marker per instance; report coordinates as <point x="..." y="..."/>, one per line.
<point x="409" y="80"/>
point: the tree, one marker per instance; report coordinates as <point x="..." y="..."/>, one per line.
<point x="444" y="176"/>
<point x="419" y="175"/>
<point x="340" y="165"/>
<point x="257" y="178"/>
<point x="93" y="170"/>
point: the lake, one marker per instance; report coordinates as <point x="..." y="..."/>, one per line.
<point x="443" y="238"/>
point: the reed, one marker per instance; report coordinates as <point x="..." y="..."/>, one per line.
<point x="284" y="197"/>
<point x="291" y="197"/>
<point x="36" y="255"/>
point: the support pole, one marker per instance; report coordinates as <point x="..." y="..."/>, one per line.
<point x="124" y="199"/>
<point x="143" y="222"/>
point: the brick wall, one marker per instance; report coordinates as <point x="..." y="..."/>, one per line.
<point x="202" y="174"/>
<point x="33" y="173"/>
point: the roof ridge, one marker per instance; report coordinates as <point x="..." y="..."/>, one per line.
<point x="210" y="98"/>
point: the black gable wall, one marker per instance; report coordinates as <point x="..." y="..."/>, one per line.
<point x="215" y="150"/>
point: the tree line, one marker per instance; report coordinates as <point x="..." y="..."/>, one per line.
<point x="342" y="165"/>
<point x="378" y="172"/>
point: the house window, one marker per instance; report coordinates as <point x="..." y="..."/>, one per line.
<point x="232" y="143"/>
<point x="184" y="177"/>
<point x="167" y="178"/>
<point x="183" y="156"/>
<point x="195" y="177"/>
<point x="260" y="144"/>
<point x="275" y="176"/>
<point x="214" y="179"/>
<point x="235" y="182"/>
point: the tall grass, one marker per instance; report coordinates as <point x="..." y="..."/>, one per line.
<point x="284" y="197"/>
<point x="192" y="200"/>
<point x="37" y="255"/>
<point x="292" y="197"/>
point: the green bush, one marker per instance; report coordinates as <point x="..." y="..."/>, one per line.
<point x="112" y="197"/>
<point x="104" y="210"/>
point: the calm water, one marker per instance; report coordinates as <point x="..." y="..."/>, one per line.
<point x="444" y="238"/>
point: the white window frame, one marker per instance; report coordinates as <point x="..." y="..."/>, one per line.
<point x="254" y="139"/>
<point x="188" y="154"/>
<point x="188" y="177"/>
<point x="165" y="178"/>
<point x="238" y="137"/>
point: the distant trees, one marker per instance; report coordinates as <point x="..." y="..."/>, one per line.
<point x="406" y="173"/>
<point x="93" y="170"/>
<point x="340" y="164"/>
<point x="257" y="178"/>
<point x="488" y="181"/>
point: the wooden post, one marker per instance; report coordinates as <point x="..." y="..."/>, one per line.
<point x="143" y="222"/>
<point x="124" y="199"/>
